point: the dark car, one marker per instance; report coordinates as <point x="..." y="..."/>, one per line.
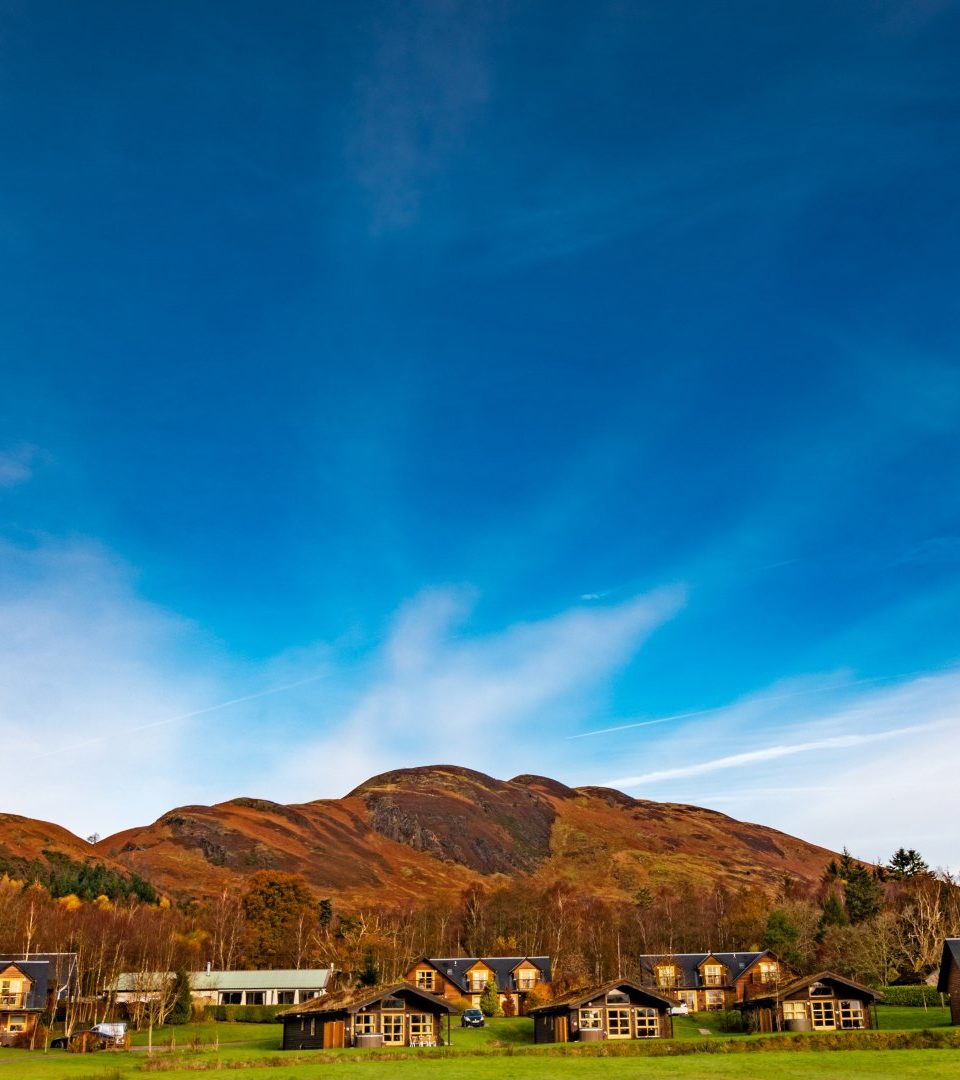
<point x="472" y="1018"/>
<point x="93" y="1040"/>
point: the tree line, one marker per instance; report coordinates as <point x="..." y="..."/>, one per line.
<point x="877" y="925"/>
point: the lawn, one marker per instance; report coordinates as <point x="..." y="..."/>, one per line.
<point x="877" y="1065"/>
<point x="503" y="1050"/>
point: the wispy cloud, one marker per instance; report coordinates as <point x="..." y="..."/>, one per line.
<point x="16" y="465"/>
<point x="879" y="754"/>
<point x="491" y="700"/>
<point x="426" y="83"/>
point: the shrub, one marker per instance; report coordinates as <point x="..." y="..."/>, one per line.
<point x="910" y="995"/>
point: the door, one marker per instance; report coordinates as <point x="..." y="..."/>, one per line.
<point x="822" y="1015"/>
<point x="392" y="1027"/>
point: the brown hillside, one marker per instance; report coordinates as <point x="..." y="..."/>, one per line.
<point x="25" y="839"/>
<point x="415" y="833"/>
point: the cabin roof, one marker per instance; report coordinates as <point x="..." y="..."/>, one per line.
<point x="581" y="995"/>
<point x="736" y="963"/>
<point x="830" y="977"/>
<point x="455" y="968"/>
<point x="356" y="998"/>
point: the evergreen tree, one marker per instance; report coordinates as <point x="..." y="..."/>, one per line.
<point x="781" y="936"/>
<point x="182" y="1001"/>
<point x="833" y="913"/>
<point x="369" y="974"/>
<point x="489" y="999"/>
<point x="862" y="894"/>
<point x="907" y="864"/>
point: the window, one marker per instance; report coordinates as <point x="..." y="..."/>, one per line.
<point x="254" y="997"/>
<point x="618" y="1023"/>
<point x="365" y="1023"/>
<point x="285" y="997"/>
<point x="478" y="980"/>
<point x="17" y="1023"/>
<point x="819" y="989"/>
<point x="648" y="1023"/>
<point x="714" y="999"/>
<point x="527" y="980"/>
<point x="618" y="997"/>
<point x="590" y="1019"/>
<point x="768" y="972"/>
<point x="850" y="1014"/>
<point x="712" y="975"/>
<point x="425" y="980"/>
<point x="821" y="1013"/>
<point x="392" y="1003"/>
<point x="231" y="997"/>
<point x="667" y="975"/>
<point x="421" y="1029"/>
<point x="794" y="1010"/>
<point x="688" y="998"/>
<point x="392" y="1024"/>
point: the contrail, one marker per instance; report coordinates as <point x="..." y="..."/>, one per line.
<point x="187" y="716"/>
<point x="760" y="701"/>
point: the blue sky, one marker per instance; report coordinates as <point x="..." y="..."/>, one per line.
<point x="388" y="384"/>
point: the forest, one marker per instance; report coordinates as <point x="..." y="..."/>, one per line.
<point x="877" y="924"/>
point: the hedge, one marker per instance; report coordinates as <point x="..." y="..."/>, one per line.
<point x="244" y="1014"/>
<point x="911" y="995"/>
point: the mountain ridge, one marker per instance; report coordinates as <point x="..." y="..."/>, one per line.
<point x="436" y="829"/>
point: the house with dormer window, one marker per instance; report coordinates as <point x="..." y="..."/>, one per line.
<point x="712" y="980"/>
<point x="23" y="997"/>
<point x="468" y="976"/>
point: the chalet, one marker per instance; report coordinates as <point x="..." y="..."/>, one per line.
<point x="712" y="980"/>
<point x="822" y="1002"/>
<point x="23" y="997"/>
<point x="281" y="987"/>
<point x="467" y="977"/>
<point x="949" y="981"/>
<point x="616" y="1010"/>
<point x="396" y="1015"/>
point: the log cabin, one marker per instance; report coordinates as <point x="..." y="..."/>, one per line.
<point x="822" y="1002"/>
<point x="23" y="997"/>
<point x="616" y="1010"/>
<point x="395" y="1015"/>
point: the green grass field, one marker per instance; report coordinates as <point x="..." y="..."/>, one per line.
<point x="503" y="1050"/>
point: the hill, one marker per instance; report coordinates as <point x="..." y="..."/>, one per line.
<point x="436" y="829"/>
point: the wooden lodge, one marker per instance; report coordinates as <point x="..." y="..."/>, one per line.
<point x="616" y="1010"/>
<point x="396" y="1015"/>
<point x="822" y="1002"/>
<point x="949" y="981"/>
<point x="713" y="980"/>
<point x="467" y="977"/>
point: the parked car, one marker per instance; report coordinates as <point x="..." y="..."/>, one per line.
<point x="93" y="1039"/>
<point x="472" y="1018"/>
<point x="680" y="1010"/>
<point x="99" y="1037"/>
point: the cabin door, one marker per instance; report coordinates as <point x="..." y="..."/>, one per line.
<point x="333" y="1035"/>
<point x="561" y="1032"/>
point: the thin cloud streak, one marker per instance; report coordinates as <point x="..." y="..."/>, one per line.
<point x="187" y="715"/>
<point x="763" y="699"/>
<point x="769" y="753"/>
